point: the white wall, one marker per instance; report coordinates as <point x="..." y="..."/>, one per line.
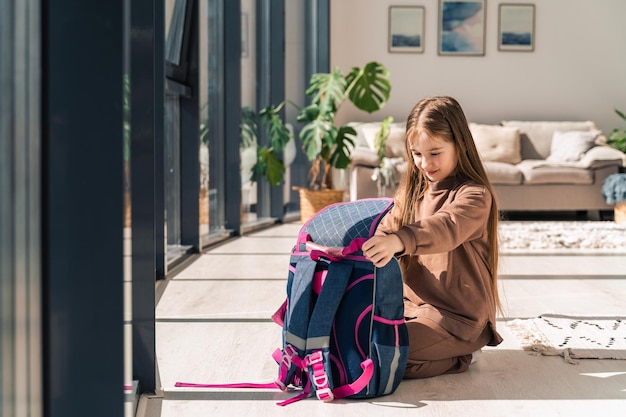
<point x="576" y="72"/>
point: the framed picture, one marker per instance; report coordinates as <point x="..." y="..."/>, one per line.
<point x="406" y="29"/>
<point x="462" y="27"/>
<point x="516" y="27"/>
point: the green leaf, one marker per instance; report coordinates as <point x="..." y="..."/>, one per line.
<point x="268" y="166"/>
<point x="618" y="139"/>
<point x="279" y="134"/>
<point x="328" y="90"/>
<point x="381" y="137"/>
<point x="273" y="124"/>
<point x="248" y="127"/>
<point x="618" y="136"/>
<point x="369" y="88"/>
<point x="309" y="113"/>
<point x="313" y="136"/>
<point x="344" y="142"/>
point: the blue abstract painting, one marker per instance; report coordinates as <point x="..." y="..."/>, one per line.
<point x="462" y="27"/>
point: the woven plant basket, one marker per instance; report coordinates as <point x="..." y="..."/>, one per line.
<point x="127" y="209"/>
<point x="312" y="201"/>
<point x="619" y="212"/>
<point x="204" y="206"/>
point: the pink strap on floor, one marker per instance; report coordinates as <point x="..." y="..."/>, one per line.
<point x="361" y="382"/>
<point x="271" y="385"/>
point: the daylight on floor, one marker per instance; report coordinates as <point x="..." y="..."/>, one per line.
<point x="355" y="207"/>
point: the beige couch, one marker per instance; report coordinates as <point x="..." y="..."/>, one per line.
<point x="533" y="165"/>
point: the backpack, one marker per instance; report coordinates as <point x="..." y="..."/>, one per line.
<point x="343" y="328"/>
<point x="344" y="333"/>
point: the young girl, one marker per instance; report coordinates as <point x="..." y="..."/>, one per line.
<point x="443" y="228"/>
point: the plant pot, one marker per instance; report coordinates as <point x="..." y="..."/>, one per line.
<point x="127" y="209"/>
<point x="204" y="206"/>
<point x="619" y="212"/>
<point x="312" y="201"/>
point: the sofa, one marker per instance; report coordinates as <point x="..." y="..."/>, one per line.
<point x="533" y="165"/>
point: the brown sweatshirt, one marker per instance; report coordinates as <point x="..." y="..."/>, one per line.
<point x="447" y="279"/>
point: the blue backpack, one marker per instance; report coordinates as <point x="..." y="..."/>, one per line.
<point x="344" y="333"/>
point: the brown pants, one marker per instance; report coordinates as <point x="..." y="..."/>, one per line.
<point x="433" y="351"/>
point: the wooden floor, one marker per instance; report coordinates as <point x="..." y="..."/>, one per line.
<point x="213" y="326"/>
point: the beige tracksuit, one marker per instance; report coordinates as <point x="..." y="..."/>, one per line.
<point x="449" y="306"/>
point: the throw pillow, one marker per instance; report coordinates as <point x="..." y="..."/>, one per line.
<point x="396" y="142"/>
<point x="571" y="146"/>
<point x="536" y="136"/>
<point x="395" y="146"/>
<point x="497" y="143"/>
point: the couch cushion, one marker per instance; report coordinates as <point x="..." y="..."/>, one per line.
<point x="497" y="143"/>
<point x="542" y="172"/>
<point x="602" y="156"/>
<point x="536" y="137"/>
<point x="395" y="146"/>
<point x="360" y="139"/>
<point x="571" y="146"/>
<point x="502" y="173"/>
<point x="363" y="155"/>
<point x="396" y="142"/>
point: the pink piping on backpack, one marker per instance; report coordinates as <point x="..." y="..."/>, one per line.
<point x="379" y="319"/>
<point x="358" y="281"/>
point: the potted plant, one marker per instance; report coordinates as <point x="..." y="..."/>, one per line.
<point x="614" y="192"/>
<point x="326" y="145"/>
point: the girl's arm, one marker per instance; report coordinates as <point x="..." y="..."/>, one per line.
<point x="453" y="224"/>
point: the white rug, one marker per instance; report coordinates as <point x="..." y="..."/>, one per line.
<point x="572" y="337"/>
<point x="562" y="237"/>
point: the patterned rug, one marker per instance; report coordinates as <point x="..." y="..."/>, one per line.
<point x="572" y="337"/>
<point x="562" y="237"/>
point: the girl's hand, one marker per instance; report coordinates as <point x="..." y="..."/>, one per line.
<point x="380" y="249"/>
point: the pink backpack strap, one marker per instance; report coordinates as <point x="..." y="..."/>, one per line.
<point x="233" y="385"/>
<point x="359" y="384"/>
<point x="315" y="361"/>
<point x="354" y="246"/>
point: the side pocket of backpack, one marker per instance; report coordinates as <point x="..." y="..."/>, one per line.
<point x="389" y="351"/>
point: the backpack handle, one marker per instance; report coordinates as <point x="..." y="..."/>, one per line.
<point x="334" y="253"/>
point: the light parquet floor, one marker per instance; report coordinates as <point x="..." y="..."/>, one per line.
<point x="213" y="326"/>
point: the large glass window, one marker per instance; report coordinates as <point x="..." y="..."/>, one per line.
<point x="177" y="29"/>
<point x="249" y="143"/>
<point x="21" y="387"/>
<point x="211" y="116"/>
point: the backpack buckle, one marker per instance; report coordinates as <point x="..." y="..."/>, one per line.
<point x="318" y="376"/>
<point x="315" y="358"/>
<point x="325" y="395"/>
<point x="289" y="358"/>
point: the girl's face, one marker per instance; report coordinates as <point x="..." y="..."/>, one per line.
<point x="436" y="157"/>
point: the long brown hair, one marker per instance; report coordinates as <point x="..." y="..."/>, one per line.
<point x="443" y="117"/>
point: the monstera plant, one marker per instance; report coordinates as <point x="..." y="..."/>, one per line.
<point x="326" y="145"/>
